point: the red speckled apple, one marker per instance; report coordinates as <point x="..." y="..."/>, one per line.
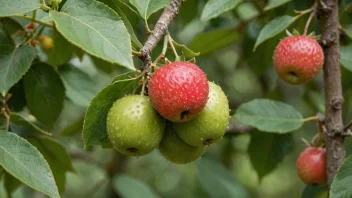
<point x="311" y="166"/>
<point x="179" y="91"/>
<point x="297" y="59"/>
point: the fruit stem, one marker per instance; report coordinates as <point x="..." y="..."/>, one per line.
<point x="135" y="53"/>
<point x="143" y="86"/>
<point x="309" y="20"/>
<point x="171" y="44"/>
<point x="34" y="20"/>
<point x="310" y="119"/>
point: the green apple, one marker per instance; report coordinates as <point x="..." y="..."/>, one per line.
<point x="134" y="127"/>
<point x="176" y="150"/>
<point x="210" y="125"/>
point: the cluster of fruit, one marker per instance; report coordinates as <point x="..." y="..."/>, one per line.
<point x="297" y="60"/>
<point x="182" y="113"/>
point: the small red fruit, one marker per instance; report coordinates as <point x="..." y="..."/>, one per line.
<point x="297" y="59"/>
<point x="311" y="165"/>
<point x="179" y="91"/>
<point x="30" y="27"/>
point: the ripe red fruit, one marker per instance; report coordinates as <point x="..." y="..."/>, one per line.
<point x="311" y="165"/>
<point x="179" y="91"/>
<point x="30" y="27"/>
<point x="297" y="59"/>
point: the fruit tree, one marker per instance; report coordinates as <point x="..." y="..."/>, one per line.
<point x="175" y="98"/>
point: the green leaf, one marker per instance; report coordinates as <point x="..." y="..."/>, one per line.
<point x="269" y="116"/>
<point x="14" y="61"/>
<point x="345" y="57"/>
<point x="94" y="128"/>
<point x="45" y="93"/>
<point x="188" y="53"/>
<point x="95" y="28"/>
<point x="148" y="7"/>
<point x="214" y="8"/>
<point x="119" y="7"/>
<point x="273" y="28"/>
<point x="26" y="163"/>
<point x="217" y="181"/>
<point x="127" y="186"/>
<point x="266" y="146"/>
<point x="348" y="30"/>
<point x="11" y="183"/>
<point x="274" y="4"/>
<point x="11" y="25"/>
<point x="210" y="41"/>
<point x="62" y="51"/>
<point x="341" y="186"/>
<point x="314" y="191"/>
<point x="13" y="7"/>
<point x="57" y="158"/>
<point x="17" y="100"/>
<point x="18" y="122"/>
<point x="80" y="88"/>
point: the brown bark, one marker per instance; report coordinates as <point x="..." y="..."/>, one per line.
<point x="334" y="134"/>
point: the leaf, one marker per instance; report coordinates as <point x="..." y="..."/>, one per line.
<point x="57" y="158"/>
<point x="62" y="51"/>
<point x="119" y="7"/>
<point x="210" y="41"/>
<point x="148" y="7"/>
<point x="217" y="181"/>
<point x="11" y="183"/>
<point x="11" y="25"/>
<point x="127" y="186"/>
<point x="341" y="185"/>
<point x="313" y="191"/>
<point x="45" y="93"/>
<point x="273" y="28"/>
<point x="80" y="88"/>
<point x="13" y="7"/>
<point x="274" y="4"/>
<point x="348" y="30"/>
<point x="17" y="100"/>
<point x="266" y="146"/>
<point x="269" y="116"/>
<point x="189" y="54"/>
<point x="18" y="122"/>
<point x="94" y="127"/>
<point x="95" y="28"/>
<point x="345" y="57"/>
<point x="14" y="61"/>
<point x="26" y="163"/>
<point x="214" y="8"/>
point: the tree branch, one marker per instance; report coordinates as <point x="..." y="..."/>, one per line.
<point x="236" y="128"/>
<point x="328" y="17"/>
<point x="170" y="12"/>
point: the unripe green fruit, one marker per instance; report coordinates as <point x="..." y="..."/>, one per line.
<point x="210" y="125"/>
<point x="176" y="150"/>
<point x="134" y="127"/>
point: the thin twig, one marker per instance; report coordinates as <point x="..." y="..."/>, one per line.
<point x="171" y="44"/>
<point x="348" y="126"/>
<point x="34" y="20"/>
<point x="168" y="15"/>
<point x="309" y="20"/>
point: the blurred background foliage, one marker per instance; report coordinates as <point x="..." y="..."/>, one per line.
<point x="240" y="165"/>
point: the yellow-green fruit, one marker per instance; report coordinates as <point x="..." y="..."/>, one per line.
<point x="134" y="127"/>
<point x="176" y="150"/>
<point x="210" y="125"/>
